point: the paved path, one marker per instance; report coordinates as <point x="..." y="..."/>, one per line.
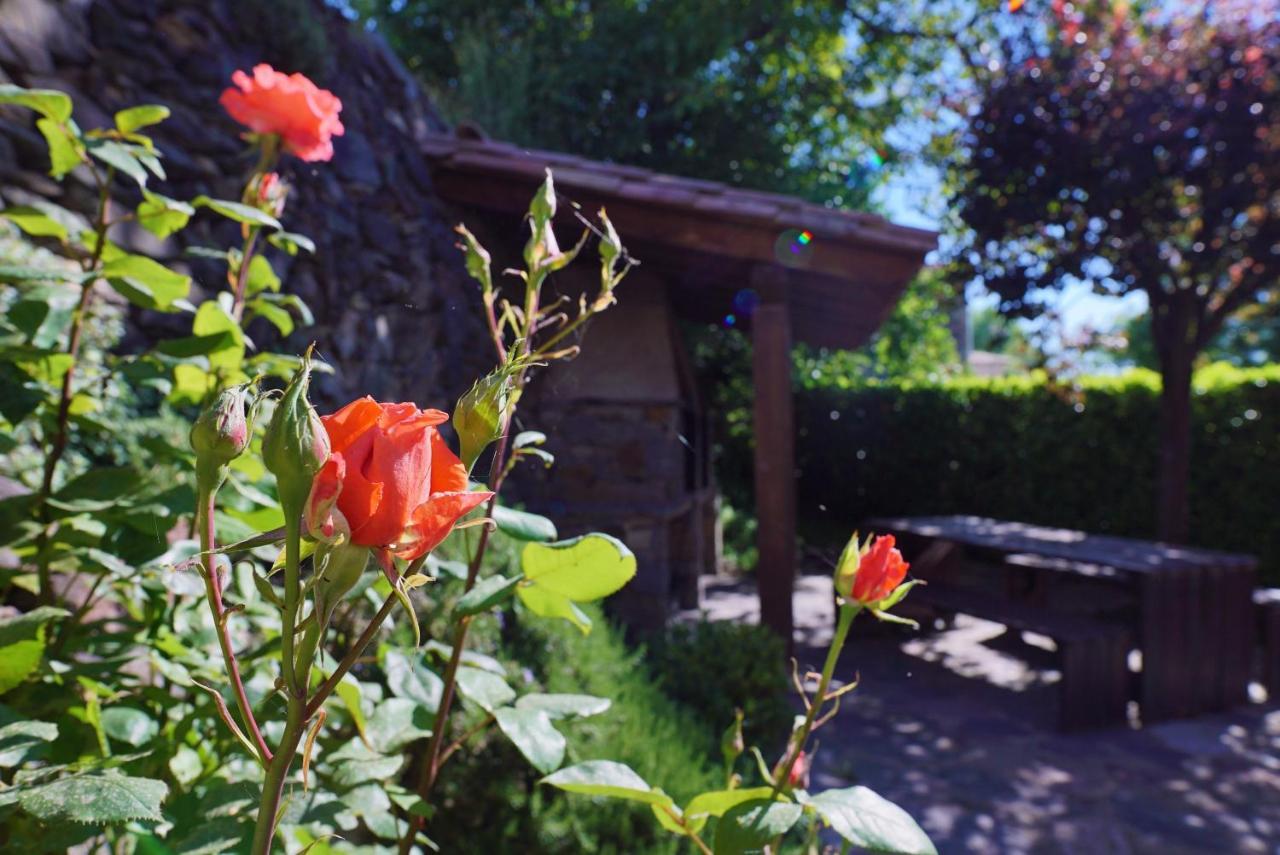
<point x="957" y="727"/>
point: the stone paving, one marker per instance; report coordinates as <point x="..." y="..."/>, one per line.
<point x="957" y="727"/>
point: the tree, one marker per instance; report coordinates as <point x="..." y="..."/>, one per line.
<point x="1134" y="153"/>
<point x="792" y="96"/>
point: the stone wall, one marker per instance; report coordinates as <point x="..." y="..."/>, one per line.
<point x="395" y="312"/>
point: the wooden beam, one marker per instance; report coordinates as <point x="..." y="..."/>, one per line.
<point x="775" y="450"/>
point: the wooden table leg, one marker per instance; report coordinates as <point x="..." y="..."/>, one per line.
<point x="1155" y="598"/>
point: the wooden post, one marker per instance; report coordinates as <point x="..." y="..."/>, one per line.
<point x="774" y="426"/>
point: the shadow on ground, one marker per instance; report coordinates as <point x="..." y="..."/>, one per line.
<point x="957" y="726"/>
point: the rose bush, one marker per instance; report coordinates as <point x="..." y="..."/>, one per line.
<point x="342" y="718"/>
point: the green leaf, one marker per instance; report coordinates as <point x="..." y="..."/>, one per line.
<point x="523" y="525"/>
<point x="261" y="276"/>
<point x="34" y="222"/>
<point x="186" y="766"/>
<point x="717" y="802"/>
<point x="487" y="593"/>
<point x="128" y="725"/>
<point x="96" y="798"/>
<point x="750" y="825"/>
<point x="583" y="569"/>
<point x="348" y="691"/>
<point x="559" y="706"/>
<point x="145" y="282"/>
<point x="22" y="644"/>
<point x="42" y="315"/>
<point x="236" y="211"/>
<point x="19" y="737"/>
<point x="197" y="345"/>
<point x="130" y="120"/>
<point x="531" y="732"/>
<point x="396" y="722"/>
<point x="163" y="216"/>
<point x="872" y="822"/>
<point x="49" y="103"/>
<point x="607" y="778"/>
<point x="64" y="147"/>
<point x="190" y="384"/>
<point x="291" y="242"/>
<point x="484" y="688"/>
<point x="12" y="274"/>
<point x="213" y="319"/>
<point x="408" y="679"/>
<point x="528" y="438"/>
<point x="123" y="157"/>
<point x="546" y="603"/>
<point x="276" y="316"/>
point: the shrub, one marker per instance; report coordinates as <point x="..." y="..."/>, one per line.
<point x="1026" y="449"/>
<point x="716" y="668"/>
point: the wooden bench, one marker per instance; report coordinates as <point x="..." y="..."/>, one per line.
<point x="1092" y="654"/>
<point x="1266" y="602"/>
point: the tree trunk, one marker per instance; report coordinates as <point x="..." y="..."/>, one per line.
<point x="1173" y="518"/>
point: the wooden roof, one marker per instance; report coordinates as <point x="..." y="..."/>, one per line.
<point x="709" y="241"/>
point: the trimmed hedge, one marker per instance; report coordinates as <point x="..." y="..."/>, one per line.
<point x="1022" y="448"/>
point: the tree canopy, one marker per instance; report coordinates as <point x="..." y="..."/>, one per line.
<point x="1134" y="153"/>
<point x="783" y="95"/>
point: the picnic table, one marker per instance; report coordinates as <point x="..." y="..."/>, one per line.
<point x="1191" y="610"/>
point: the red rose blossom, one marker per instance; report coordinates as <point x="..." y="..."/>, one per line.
<point x="304" y="116"/>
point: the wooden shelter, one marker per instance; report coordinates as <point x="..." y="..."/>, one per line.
<point x="780" y="268"/>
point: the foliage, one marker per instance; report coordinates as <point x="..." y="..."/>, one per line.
<point x="738" y="817"/>
<point x="115" y="724"/>
<point x="1024" y="448"/>
<point x="793" y="96"/>
<point x="714" y="669"/>
<point x="1251" y="338"/>
<point x="96" y="455"/>
<point x="641" y="728"/>
<point x="1136" y="153"/>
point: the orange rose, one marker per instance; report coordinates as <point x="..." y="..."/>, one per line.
<point x="303" y="115"/>
<point x="880" y="571"/>
<point x="391" y="478"/>
<point x="870" y="572"/>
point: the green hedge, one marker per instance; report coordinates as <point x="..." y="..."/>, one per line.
<point x="1021" y="448"/>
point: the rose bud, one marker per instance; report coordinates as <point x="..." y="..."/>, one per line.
<point x="869" y="573"/>
<point x="296" y="445"/>
<point x="798" y="777"/>
<point x="221" y="432"/>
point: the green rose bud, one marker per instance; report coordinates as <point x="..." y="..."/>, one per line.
<point x="221" y="432"/>
<point x="479" y="414"/>
<point x="296" y="444"/>
<point x="542" y="208"/>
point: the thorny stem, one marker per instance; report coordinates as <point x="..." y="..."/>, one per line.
<point x="434" y="758"/>
<point x="466" y="737"/>
<point x="327" y="687"/>
<point x="242" y="274"/>
<point x="783" y="772"/>
<point x="292" y="595"/>
<point x="277" y="770"/>
<point x="213" y="588"/>
<point x="58" y="446"/>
